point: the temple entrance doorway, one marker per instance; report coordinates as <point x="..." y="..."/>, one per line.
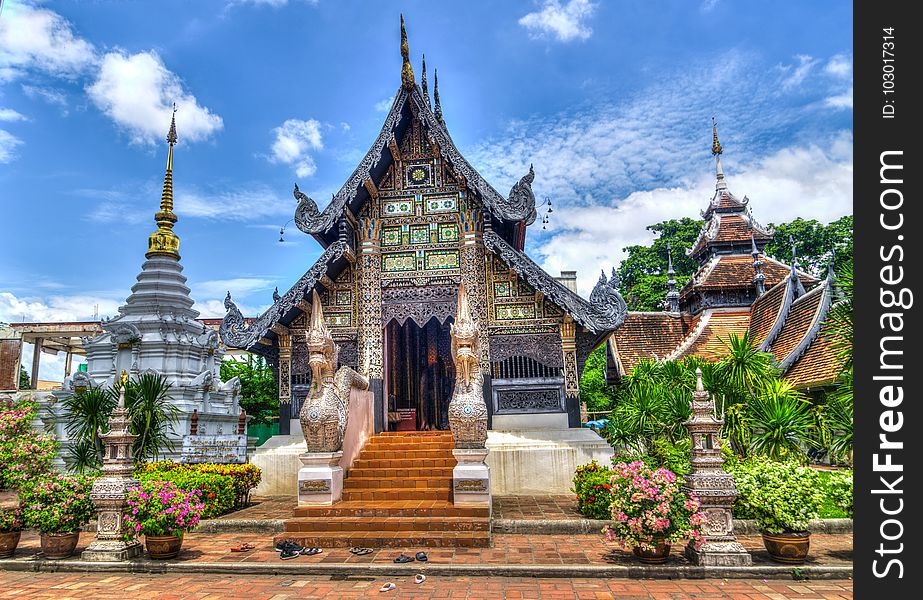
<point x="419" y="375"/>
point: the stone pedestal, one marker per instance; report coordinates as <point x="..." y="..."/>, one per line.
<point x="471" y="477"/>
<point x="719" y="554"/>
<point x="320" y="480"/>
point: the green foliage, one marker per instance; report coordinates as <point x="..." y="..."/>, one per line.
<point x="837" y="489"/>
<point x="781" y="496"/>
<point x="246" y="476"/>
<point x="24" y="381"/>
<point x="162" y="508"/>
<point x="591" y="485"/>
<point x="258" y="395"/>
<point x="594" y="392"/>
<point x="25" y="454"/>
<point x="643" y="270"/>
<point x="673" y="456"/>
<point x="10" y="519"/>
<point x="152" y="416"/>
<point x="57" y="503"/>
<point x="86" y="415"/>
<point x="780" y="420"/>
<point x="815" y="243"/>
<point x="219" y="492"/>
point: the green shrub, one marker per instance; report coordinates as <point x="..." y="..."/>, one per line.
<point x="246" y="476"/>
<point x="673" y="457"/>
<point x="837" y="487"/>
<point x="591" y="485"/>
<point x="219" y="492"/>
<point x="57" y="503"/>
<point x="781" y="496"/>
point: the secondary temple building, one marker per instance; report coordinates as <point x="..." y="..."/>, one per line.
<point x="736" y="290"/>
<point x="413" y="222"/>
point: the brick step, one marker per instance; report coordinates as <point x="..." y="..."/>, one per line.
<point x="375" y="446"/>
<point x="389" y="539"/>
<point x="403" y="463"/>
<point x="409" y="472"/>
<point x="405" y="454"/>
<point x="362" y="524"/>
<point x="385" y="508"/>
<point x="360" y="484"/>
<point x="414" y="434"/>
<point x="403" y="493"/>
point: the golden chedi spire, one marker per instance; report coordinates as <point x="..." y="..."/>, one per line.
<point x="716" y="145"/>
<point x="407" y="81"/>
<point x="164" y="242"/>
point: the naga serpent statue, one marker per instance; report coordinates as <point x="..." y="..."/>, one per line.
<point x="324" y="413"/>
<point x="467" y="409"/>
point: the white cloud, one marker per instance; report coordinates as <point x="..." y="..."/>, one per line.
<point x="272" y="3"/>
<point x="708" y="5"/>
<point x="80" y="307"/>
<point x="794" y="75"/>
<point x="811" y="182"/>
<point x="295" y="139"/>
<point x="8" y="143"/>
<point x="37" y="38"/>
<point x="46" y="94"/>
<point x="563" y="22"/>
<point x="384" y="105"/>
<point x="8" y="114"/>
<point x="840" y="101"/>
<point x="137" y="91"/>
<point x="839" y="65"/>
<point x="238" y="286"/>
<point x="51" y="366"/>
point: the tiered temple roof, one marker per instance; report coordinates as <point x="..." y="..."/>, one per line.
<point x="737" y="290"/>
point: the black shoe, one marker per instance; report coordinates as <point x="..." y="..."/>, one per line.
<point x="421" y="556"/>
<point x="403" y="558"/>
<point x="287" y="554"/>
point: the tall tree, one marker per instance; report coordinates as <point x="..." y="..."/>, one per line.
<point x="814" y="242"/>
<point x="643" y="272"/>
<point x="24" y="381"/>
<point x="258" y="395"/>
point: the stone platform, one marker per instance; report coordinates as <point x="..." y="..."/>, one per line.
<point x="398" y="494"/>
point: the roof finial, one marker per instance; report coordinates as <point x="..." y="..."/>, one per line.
<point x="717" y="150"/>
<point x="799" y="287"/>
<point x="164" y="242"/>
<point x="672" y="294"/>
<point x="423" y="83"/>
<point x="438" y="109"/>
<point x="407" y="81"/>
<point x="759" y="280"/>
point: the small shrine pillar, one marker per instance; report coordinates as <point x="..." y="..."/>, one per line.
<point x="110" y="492"/>
<point x="713" y="486"/>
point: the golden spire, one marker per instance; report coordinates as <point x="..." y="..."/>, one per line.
<point x="164" y="242"/>
<point x="407" y="81"/>
<point x="716" y="145"/>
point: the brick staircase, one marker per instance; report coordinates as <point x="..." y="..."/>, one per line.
<point x="398" y="494"/>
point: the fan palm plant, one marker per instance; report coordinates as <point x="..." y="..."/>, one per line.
<point x="86" y="417"/>
<point x="152" y="416"/>
<point x="781" y="421"/>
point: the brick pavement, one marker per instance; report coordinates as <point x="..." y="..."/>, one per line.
<point x="508" y="549"/>
<point x="64" y="586"/>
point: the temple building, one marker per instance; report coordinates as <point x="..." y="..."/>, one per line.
<point x="413" y="222"/>
<point x="737" y="289"/>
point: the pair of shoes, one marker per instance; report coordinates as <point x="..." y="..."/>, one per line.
<point x="243" y="547"/>
<point x="358" y="551"/>
<point x="288" y="550"/>
<point x="311" y="551"/>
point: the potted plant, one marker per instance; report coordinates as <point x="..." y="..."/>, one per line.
<point x="58" y="506"/>
<point x="10" y="529"/>
<point x="783" y="497"/>
<point x="651" y="512"/>
<point x="162" y="513"/>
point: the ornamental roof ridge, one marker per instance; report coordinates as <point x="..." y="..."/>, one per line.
<point x="811" y="334"/>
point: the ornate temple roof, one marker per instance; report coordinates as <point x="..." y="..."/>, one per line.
<point x="726" y="271"/>
<point x="647" y="335"/>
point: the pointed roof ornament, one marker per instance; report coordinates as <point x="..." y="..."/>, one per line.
<point x="164" y="242"/>
<point x="759" y="280"/>
<point x="799" y="287"/>
<point x="438" y="108"/>
<point x="672" y="301"/>
<point x="423" y="83"/>
<point x="407" y="81"/>
<point x="275" y="295"/>
<point x="716" y="151"/>
<point x="318" y="325"/>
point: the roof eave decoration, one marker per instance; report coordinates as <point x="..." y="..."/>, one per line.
<point x="789" y="361"/>
<point x="777" y="325"/>
<point x="604" y="312"/>
<point x="234" y="331"/>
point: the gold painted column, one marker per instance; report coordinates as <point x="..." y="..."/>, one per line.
<point x="472" y="259"/>
<point x="571" y="378"/>
<point x="285" y="370"/>
<point x="370" y="325"/>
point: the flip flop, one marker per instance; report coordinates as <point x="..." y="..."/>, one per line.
<point x="387" y="587"/>
<point x="239" y="549"/>
<point x="311" y="551"/>
<point x="248" y="546"/>
<point x="421" y="556"/>
<point x="420" y="578"/>
<point x="355" y="550"/>
<point x="403" y="558"/>
<point x="364" y="551"/>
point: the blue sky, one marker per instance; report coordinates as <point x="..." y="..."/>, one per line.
<point x="612" y="102"/>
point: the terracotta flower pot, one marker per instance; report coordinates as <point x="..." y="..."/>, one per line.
<point x="163" y="546"/>
<point x="59" y="545"/>
<point x="657" y="556"/>
<point x="788" y="548"/>
<point x="8" y="542"/>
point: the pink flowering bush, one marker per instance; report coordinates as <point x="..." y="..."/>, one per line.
<point x="649" y="507"/>
<point x="10" y="519"/>
<point x="161" y="508"/>
<point x="25" y="454"/>
<point x="58" y="503"/>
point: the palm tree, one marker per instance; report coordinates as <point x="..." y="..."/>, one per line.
<point x="152" y="416"/>
<point x="840" y="401"/>
<point x="781" y="421"/>
<point x="86" y="417"/>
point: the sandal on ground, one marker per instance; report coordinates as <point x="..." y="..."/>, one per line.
<point x="387" y="587"/>
<point x="420" y="578"/>
<point x="248" y="546"/>
<point x="311" y="551"/>
<point x="240" y="548"/>
<point x="355" y="550"/>
<point x="421" y="556"/>
<point x="403" y="558"/>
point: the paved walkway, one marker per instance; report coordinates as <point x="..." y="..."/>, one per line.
<point x="64" y="586"/>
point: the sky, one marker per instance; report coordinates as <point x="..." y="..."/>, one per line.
<point x="611" y="101"/>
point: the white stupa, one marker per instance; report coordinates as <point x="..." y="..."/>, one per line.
<point x="156" y="331"/>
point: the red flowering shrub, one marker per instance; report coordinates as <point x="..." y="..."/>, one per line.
<point x="58" y="503"/>
<point x="25" y="454"/>
<point x="591" y="486"/>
